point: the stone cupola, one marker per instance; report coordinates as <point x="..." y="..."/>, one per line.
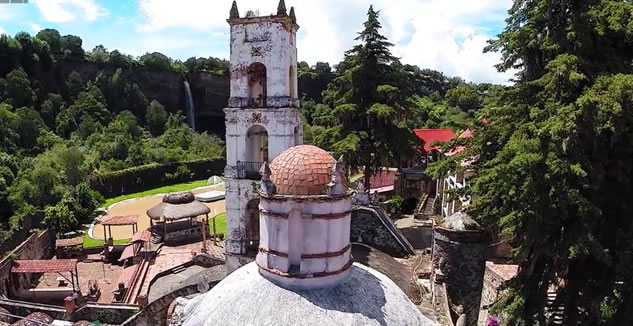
<point x="305" y="215"/>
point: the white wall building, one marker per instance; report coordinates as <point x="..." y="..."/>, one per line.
<point x="262" y="119"/>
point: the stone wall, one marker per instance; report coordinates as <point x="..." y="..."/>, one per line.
<point x="105" y="313"/>
<point x="156" y="312"/>
<point x="372" y="227"/>
<point x="460" y="256"/>
<point x="40" y="245"/>
<point x="494" y="277"/>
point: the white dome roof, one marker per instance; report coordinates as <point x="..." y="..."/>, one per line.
<point x="244" y="297"/>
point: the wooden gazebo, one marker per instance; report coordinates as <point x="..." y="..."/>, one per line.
<point x="174" y="212"/>
<point x="110" y="221"/>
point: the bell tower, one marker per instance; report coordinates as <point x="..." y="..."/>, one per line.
<point x="262" y="118"/>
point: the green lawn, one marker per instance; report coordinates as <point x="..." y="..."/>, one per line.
<point x="220" y="224"/>
<point x="162" y="190"/>
<point x="93" y="243"/>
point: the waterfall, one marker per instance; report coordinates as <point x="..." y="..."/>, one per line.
<point x="191" y="110"/>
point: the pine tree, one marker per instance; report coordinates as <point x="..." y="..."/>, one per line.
<point x="368" y="105"/>
<point x="555" y="161"/>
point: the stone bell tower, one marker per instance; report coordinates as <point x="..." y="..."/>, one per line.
<point x="262" y="118"/>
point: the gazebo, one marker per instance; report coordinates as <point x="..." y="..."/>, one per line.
<point x="177" y="212"/>
<point x="110" y="221"/>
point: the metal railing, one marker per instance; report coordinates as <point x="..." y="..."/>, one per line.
<point x="249" y="170"/>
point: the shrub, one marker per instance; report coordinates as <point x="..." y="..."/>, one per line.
<point x="154" y="175"/>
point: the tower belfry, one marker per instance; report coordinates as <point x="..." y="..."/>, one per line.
<point x="262" y="118"/>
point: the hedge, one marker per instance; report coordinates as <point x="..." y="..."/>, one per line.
<point x="154" y="175"/>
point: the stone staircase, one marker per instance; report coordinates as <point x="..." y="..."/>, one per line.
<point x="554" y="311"/>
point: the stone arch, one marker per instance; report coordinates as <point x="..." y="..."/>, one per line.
<point x="257" y="85"/>
<point x="252" y="225"/>
<point x="257" y="144"/>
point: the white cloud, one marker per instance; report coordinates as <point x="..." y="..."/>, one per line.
<point x="60" y="11"/>
<point x="5" y="13"/>
<point x="448" y="36"/>
<point x="35" y="27"/>
<point x="2" y="31"/>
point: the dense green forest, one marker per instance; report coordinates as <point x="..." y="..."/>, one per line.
<point x="55" y="131"/>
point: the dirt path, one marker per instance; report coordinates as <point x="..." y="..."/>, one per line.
<point x="140" y="206"/>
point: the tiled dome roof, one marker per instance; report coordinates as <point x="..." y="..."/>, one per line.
<point x="302" y="170"/>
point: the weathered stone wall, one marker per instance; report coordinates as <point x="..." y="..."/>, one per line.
<point x="40" y="245"/>
<point x="156" y="312"/>
<point x="105" y="313"/>
<point x="371" y="227"/>
<point x="271" y="42"/>
<point x="460" y="256"/>
<point x="494" y="277"/>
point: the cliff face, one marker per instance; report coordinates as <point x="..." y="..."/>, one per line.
<point x="210" y="92"/>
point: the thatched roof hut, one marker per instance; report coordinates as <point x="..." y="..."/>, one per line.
<point x="177" y="207"/>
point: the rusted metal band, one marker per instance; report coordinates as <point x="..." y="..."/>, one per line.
<point x="328" y="254"/>
<point x="333" y="216"/>
<point x="347" y="266"/>
<point x="305" y="198"/>
<point x="308" y="256"/>
<point x="274" y="214"/>
<point x="272" y="252"/>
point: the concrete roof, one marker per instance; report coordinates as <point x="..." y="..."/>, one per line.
<point x="244" y="297"/>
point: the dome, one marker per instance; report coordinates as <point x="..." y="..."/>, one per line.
<point x="302" y="170"/>
<point x="244" y="297"/>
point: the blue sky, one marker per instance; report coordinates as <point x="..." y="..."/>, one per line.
<point x="446" y="35"/>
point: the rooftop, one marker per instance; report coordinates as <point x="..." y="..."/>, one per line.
<point x="120" y="220"/>
<point x="69" y="242"/>
<point x="44" y="266"/>
<point x="302" y="170"/>
<point x="429" y="136"/>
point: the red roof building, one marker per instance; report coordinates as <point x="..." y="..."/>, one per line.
<point x="430" y="136"/>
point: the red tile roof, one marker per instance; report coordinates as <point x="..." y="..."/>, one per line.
<point x="130" y="251"/>
<point x="466" y="134"/>
<point x="382" y="179"/>
<point x="68" y="242"/>
<point x="144" y="236"/>
<point x="44" y="266"/>
<point x="429" y="136"/>
<point x="120" y="220"/>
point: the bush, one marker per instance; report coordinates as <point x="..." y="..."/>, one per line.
<point x="151" y="176"/>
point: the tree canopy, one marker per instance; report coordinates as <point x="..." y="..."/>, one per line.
<point x="554" y="162"/>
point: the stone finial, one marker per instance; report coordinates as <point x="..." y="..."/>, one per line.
<point x="337" y="186"/>
<point x="362" y="195"/>
<point x="268" y="187"/>
<point x="292" y="14"/>
<point x="234" y="12"/>
<point x="281" y="8"/>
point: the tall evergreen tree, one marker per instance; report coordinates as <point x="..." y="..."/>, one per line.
<point x="555" y="161"/>
<point x="369" y="107"/>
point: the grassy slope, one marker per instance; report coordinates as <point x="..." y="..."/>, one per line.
<point x="220" y="224"/>
<point x="161" y="190"/>
<point x="93" y="243"/>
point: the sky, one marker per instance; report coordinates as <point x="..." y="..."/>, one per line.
<point x="445" y="35"/>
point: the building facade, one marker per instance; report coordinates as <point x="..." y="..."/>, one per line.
<point x="262" y="119"/>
